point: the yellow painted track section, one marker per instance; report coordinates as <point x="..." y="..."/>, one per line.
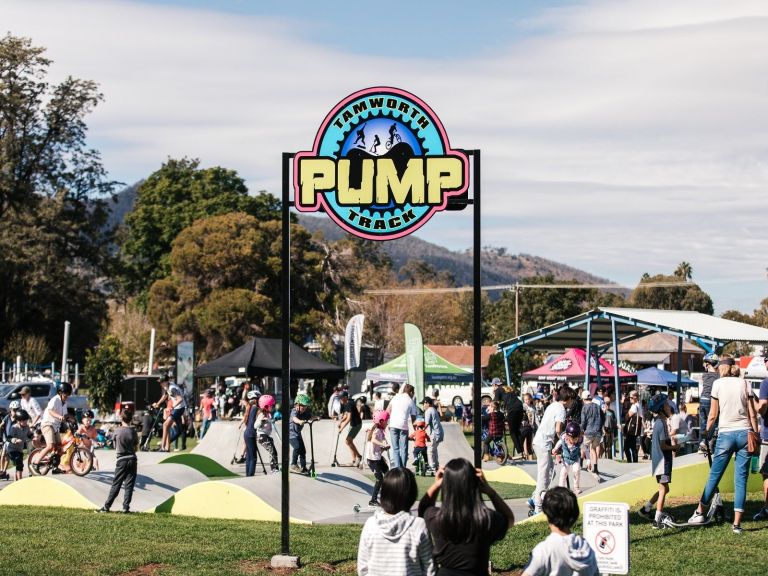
<point x="43" y="491"/>
<point x="216" y="499"/>
<point x="509" y="474"/>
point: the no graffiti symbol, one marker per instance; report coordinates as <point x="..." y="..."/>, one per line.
<point x="605" y="542"/>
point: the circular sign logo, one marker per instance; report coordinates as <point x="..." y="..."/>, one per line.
<point x="381" y="165"/>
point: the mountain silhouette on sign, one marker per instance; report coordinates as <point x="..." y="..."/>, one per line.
<point x="400" y="153"/>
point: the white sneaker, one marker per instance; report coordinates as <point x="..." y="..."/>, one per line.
<point x="697" y="518"/>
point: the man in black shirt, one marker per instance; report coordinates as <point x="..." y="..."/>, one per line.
<point x="350" y="415"/>
<point x="705" y="395"/>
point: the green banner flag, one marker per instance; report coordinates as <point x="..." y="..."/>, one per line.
<point x="414" y="356"/>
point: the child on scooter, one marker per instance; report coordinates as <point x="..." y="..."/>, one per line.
<point x="377" y="443"/>
<point x="568" y="449"/>
<point x="263" y="427"/>
<point x="662" y="447"/>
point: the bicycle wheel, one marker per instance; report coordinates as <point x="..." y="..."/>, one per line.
<point x="501" y="453"/>
<point x="81" y="461"/>
<point x="42" y="465"/>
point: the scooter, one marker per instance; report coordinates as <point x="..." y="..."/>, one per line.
<point x="312" y="473"/>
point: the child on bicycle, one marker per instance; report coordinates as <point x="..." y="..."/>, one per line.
<point x="17" y="441"/>
<point x="376" y="444"/>
<point x="495" y="421"/>
<point x="420" y="439"/>
<point x="53" y="416"/>
<point x="264" y="429"/>
<point x="568" y="449"/>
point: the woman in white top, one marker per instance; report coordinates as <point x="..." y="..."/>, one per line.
<point x="730" y="401"/>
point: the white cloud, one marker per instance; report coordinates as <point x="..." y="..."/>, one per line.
<point x="626" y="137"/>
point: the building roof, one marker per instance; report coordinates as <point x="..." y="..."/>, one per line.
<point x="633" y="323"/>
<point x="463" y="356"/>
<point x="658" y="342"/>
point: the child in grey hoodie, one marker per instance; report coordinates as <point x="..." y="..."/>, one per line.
<point x="394" y="543"/>
<point x="562" y="553"/>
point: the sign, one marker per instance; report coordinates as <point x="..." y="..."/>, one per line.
<point x="606" y="529"/>
<point x="185" y="364"/>
<point x="353" y="341"/>
<point x="562" y="364"/>
<point x="414" y="359"/>
<point x="381" y="165"/>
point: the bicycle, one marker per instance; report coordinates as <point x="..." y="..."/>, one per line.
<point x="496" y="449"/>
<point x="392" y="139"/>
<point x="80" y="460"/>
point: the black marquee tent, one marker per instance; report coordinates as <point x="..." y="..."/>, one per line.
<point x="263" y="357"/>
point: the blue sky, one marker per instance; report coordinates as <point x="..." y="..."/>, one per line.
<point x="618" y="136"/>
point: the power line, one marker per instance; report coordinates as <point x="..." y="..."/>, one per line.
<point x="511" y="287"/>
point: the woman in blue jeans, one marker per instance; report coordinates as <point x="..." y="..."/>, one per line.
<point x="732" y="402"/>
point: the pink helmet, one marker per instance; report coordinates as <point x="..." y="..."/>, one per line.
<point x="380" y="417"/>
<point x="266" y="401"/>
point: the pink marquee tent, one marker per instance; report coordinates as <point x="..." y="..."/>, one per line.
<point x="571" y="367"/>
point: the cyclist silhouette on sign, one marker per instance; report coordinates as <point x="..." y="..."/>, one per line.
<point x="376" y="143"/>
<point x="393" y="136"/>
<point x="360" y="137"/>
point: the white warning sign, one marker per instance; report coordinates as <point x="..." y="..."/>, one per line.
<point x="606" y="528"/>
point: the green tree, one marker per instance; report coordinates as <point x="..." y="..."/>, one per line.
<point x="684" y="270"/>
<point x="52" y="215"/>
<point x="105" y="368"/>
<point x="684" y="297"/>
<point x="225" y="284"/>
<point x="171" y="199"/>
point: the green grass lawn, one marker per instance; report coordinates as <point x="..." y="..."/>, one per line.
<point x="60" y="541"/>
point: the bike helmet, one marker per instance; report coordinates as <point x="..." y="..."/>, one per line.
<point x="302" y="399"/>
<point x="266" y="401"/>
<point x="656" y="404"/>
<point x="14" y="405"/>
<point x="22" y="415"/>
<point x="88" y="414"/>
<point x="572" y="429"/>
<point x="420" y="423"/>
<point x="252" y="395"/>
<point x="380" y="417"/>
<point x="711" y="358"/>
<point x="64" y="388"/>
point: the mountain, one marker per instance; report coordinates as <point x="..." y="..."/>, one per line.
<point x="496" y="266"/>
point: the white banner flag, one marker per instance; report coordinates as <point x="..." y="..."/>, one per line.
<point x="353" y="341"/>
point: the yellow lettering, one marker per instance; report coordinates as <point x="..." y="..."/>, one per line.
<point x="316" y="175"/>
<point x="412" y="181"/>
<point x="355" y="196"/>
<point x="444" y="173"/>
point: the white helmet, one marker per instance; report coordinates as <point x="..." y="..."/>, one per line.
<point x="252" y="394"/>
<point x="14" y="405"/>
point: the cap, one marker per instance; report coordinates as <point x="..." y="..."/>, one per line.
<point x="585" y="395"/>
<point x="495" y="382"/>
<point x="726" y="362"/>
<point x="25" y="390"/>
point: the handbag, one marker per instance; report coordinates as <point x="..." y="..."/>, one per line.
<point x="753" y="440"/>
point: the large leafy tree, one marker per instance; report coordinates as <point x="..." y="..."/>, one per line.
<point x="52" y="215"/>
<point x="105" y="368"/>
<point x="224" y="284"/>
<point x="170" y="200"/>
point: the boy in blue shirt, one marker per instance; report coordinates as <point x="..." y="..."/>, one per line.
<point x="299" y="416"/>
<point x="662" y="447"/>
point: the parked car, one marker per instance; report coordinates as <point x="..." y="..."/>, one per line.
<point x="42" y="389"/>
<point x="385" y="388"/>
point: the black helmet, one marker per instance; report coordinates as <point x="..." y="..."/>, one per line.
<point x="22" y="415"/>
<point x="88" y="414"/>
<point x="64" y="388"/>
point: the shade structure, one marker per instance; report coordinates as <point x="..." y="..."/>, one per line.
<point x="571" y="366"/>
<point x="263" y="357"/>
<point x="658" y="377"/>
<point x="436" y="370"/>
